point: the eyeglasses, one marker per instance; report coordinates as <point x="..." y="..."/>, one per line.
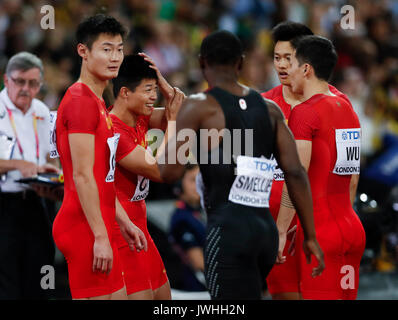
<point x="33" y="84"/>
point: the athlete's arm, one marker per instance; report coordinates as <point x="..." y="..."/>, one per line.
<point x="133" y="235"/>
<point x="353" y="187"/>
<point x="140" y="161"/>
<point x="298" y="185"/>
<point x="284" y="220"/>
<point x="188" y="117"/>
<point x="195" y="258"/>
<point x="82" y="153"/>
<point x="158" y="119"/>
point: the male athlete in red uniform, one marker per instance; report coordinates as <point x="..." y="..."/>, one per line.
<point x="327" y="133"/>
<point x="132" y="115"/>
<point x="86" y="143"/>
<point x="282" y="280"/>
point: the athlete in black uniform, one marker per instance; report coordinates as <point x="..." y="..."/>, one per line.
<point x="242" y="239"/>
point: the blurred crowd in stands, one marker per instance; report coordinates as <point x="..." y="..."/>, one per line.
<point x="170" y="31"/>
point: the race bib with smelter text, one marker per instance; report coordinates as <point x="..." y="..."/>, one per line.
<point x="348" y="145"/>
<point x="252" y="185"/>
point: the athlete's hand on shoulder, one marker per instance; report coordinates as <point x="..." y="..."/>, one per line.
<point x="103" y="255"/>
<point x="311" y="246"/>
<point x="174" y="105"/>
<point x="134" y="236"/>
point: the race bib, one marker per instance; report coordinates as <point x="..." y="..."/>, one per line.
<point x="142" y="188"/>
<point x="348" y="145"/>
<point x="112" y="144"/>
<point x="53" y="135"/>
<point x="252" y="185"/>
<point x="278" y="173"/>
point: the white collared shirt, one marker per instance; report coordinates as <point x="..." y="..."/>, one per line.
<point x="26" y="136"/>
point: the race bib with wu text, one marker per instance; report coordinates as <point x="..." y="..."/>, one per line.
<point x="348" y="145"/>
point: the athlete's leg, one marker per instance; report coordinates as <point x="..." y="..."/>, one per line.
<point x="352" y="260"/>
<point x="283" y="279"/>
<point x="119" y="295"/>
<point x="141" y="295"/>
<point x="162" y="293"/>
<point x="327" y="285"/>
<point x="240" y="250"/>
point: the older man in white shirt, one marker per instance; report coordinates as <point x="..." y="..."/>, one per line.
<point x="25" y="233"/>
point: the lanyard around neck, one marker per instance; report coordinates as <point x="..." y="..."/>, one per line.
<point x="14" y="128"/>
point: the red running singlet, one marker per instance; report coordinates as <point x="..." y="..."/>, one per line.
<point x="330" y="123"/>
<point x="142" y="270"/>
<point x="81" y="111"/>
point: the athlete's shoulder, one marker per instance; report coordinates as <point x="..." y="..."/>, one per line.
<point x="118" y="125"/>
<point x="79" y="89"/>
<point x="274" y="109"/>
<point x="200" y="102"/>
<point x="115" y="120"/>
<point x="309" y="108"/>
<point x="338" y="100"/>
<point x="273" y="93"/>
<point x="338" y="93"/>
<point x="200" y="96"/>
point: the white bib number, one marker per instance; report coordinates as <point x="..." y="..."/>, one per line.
<point x="112" y="144"/>
<point x="252" y="185"/>
<point x="278" y="173"/>
<point x="348" y="145"/>
<point x="53" y="135"/>
<point x="142" y="188"/>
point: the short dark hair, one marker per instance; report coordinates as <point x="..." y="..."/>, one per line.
<point x="288" y="30"/>
<point x="221" y="48"/>
<point x="89" y="29"/>
<point x="317" y="51"/>
<point x="133" y="70"/>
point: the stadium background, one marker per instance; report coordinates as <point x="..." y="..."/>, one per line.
<point x="171" y="33"/>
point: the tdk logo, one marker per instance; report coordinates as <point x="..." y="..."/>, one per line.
<point x="265" y="166"/>
<point x="351" y="135"/>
